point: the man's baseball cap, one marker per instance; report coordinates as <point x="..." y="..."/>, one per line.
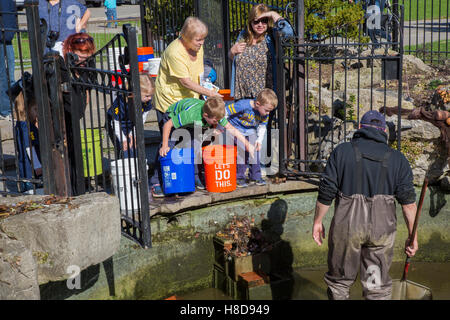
<point x="373" y="118"/>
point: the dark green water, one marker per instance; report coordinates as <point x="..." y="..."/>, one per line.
<point x="309" y="284"/>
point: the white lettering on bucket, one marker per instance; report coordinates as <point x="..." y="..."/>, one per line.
<point x="223" y="184"/>
<point x="222" y="175"/>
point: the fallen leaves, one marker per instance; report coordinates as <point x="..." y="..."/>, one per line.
<point x="242" y="238"/>
<point x="27" y="206"/>
<point x="444" y="93"/>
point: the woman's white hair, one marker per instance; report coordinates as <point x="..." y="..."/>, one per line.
<point x="193" y="27"/>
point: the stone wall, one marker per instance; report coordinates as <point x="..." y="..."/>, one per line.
<point x="182" y="256"/>
<point x="41" y="245"/>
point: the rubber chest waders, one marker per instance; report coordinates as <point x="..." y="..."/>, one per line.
<point x="362" y="234"/>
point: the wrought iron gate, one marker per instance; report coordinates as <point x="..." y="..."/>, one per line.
<point x="60" y="124"/>
<point x="102" y="160"/>
<point x="23" y="165"/>
<point x="325" y="86"/>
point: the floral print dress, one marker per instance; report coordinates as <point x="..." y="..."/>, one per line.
<point x="254" y="73"/>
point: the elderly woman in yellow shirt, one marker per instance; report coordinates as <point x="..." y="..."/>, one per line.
<point x="179" y="76"/>
<point x="181" y="67"/>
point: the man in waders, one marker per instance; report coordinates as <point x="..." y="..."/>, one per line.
<point x="365" y="176"/>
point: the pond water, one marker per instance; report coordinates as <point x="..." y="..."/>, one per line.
<point x="309" y="284"/>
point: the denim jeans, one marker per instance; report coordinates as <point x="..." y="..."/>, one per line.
<point x="111" y="14"/>
<point x="5" y="107"/>
<point x="245" y="162"/>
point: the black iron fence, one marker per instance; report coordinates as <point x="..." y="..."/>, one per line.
<point x="64" y="135"/>
<point x="426" y="29"/>
<point x="108" y="134"/>
<point x="325" y="86"/>
<point x="23" y="159"/>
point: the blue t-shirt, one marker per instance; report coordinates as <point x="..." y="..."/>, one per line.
<point x="243" y="117"/>
<point x="64" y="21"/>
<point x="110" y="4"/>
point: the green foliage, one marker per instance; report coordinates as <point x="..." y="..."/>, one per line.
<point x="323" y="17"/>
<point x="434" y="84"/>
<point x="314" y="109"/>
<point x="411" y="149"/>
<point x="333" y="18"/>
<point x="349" y="109"/>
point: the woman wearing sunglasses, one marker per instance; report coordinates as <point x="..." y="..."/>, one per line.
<point x="81" y="44"/>
<point x="253" y="54"/>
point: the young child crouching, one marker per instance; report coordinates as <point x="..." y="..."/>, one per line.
<point x="251" y="117"/>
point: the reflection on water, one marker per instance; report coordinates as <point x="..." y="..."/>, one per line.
<point x="309" y="284"/>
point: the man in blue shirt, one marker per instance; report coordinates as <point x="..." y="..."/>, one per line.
<point x="111" y="12"/>
<point x="63" y="17"/>
<point x="8" y="20"/>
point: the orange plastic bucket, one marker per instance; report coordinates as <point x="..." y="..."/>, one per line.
<point x="220" y="168"/>
<point x="226" y="94"/>
<point x="142" y="51"/>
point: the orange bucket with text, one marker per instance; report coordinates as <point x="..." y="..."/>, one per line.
<point x="220" y="168"/>
<point x="226" y="94"/>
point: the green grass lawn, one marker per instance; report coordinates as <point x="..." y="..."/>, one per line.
<point x="416" y="9"/>
<point x="433" y="52"/>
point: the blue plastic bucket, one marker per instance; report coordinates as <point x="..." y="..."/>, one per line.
<point x="177" y="169"/>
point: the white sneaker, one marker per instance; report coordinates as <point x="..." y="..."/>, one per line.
<point x="7" y="117"/>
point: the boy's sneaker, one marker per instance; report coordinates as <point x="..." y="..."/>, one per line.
<point x="157" y="191"/>
<point x="241" y="183"/>
<point x="7" y="117"/>
<point x="260" y="182"/>
<point x="198" y="184"/>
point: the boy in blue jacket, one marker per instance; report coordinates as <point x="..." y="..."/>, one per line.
<point x="251" y="117"/>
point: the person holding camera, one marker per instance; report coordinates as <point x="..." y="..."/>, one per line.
<point x="8" y="20"/>
<point x="64" y="18"/>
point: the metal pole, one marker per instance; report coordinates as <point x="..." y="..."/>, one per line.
<point x="41" y="94"/>
<point x="197" y="7"/>
<point x="281" y="94"/>
<point x="144" y="26"/>
<point x="400" y="81"/>
<point x="395" y="24"/>
<point x="301" y="80"/>
<point x="142" y="167"/>
<point x="60" y="158"/>
<point x="227" y="41"/>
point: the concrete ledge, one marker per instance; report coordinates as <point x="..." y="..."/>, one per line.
<point x="200" y="198"/>
<point x="83" y="233"/>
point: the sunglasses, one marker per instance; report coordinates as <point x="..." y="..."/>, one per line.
<point x="82" y="40"/>
<point x="262" y="20"/>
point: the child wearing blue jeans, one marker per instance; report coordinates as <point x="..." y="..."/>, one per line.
<point x="251" y="117"/>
